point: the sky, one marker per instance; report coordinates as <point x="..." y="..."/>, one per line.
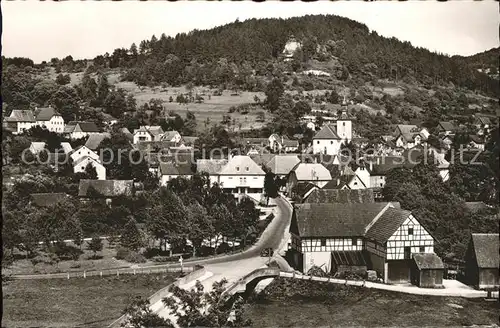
<point x="85" y="29"/>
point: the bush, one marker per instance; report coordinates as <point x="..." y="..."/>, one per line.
<point x="134" y="257"/>
<point x="122" y="253"/>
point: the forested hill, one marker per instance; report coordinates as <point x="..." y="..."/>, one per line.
<point x="228" y="54"/>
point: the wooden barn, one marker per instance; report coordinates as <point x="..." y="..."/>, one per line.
<point x="482" y="261"/>
<point x="427" y="270"/>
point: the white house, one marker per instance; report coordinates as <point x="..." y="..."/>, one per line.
<point x="409" y="136"/>
<point x="49" y="119"/>
<point x="82" y="162"/>
<point x="147" y="133"/>
<point x="313" y="173"/>
<point x="83" y="151"/>
<point x="78" y="130"/>
<point x="352" y="236"/>
<point x="242" y="176"/>
<point x="37" y="147"/>
<point x="172" y="136"/>
<point x="20" y="121"/>
<point x="476" y="142"/>
<point x="326" y="141"/>
<point x="169" y="171"/>
<point x="278" y="143"/>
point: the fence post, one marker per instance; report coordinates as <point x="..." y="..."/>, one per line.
<point x="134" y="272"/>
<point x="100" y="273"/>
<point x="117" y="273"/>
<point x="84" y="274"/>
<point x="293" y="275"/>
<point x="68" y="275"/>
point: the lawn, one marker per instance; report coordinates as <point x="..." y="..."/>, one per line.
<point x="90" y="302"/>
<point x="297" y="303"/>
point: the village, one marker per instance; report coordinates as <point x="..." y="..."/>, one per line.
<point x="207" y="190"/>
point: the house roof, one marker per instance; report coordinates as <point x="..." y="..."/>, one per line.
<point x="341" y="196"/>
<point x="303" y="188"/>
<point x="476" y="139"/>
<point x="290" y="143"/>
<point x="327" y="132"/>
<point x="48" y="199"/>
<point x="476" y="206"/>
<point x="447" y="126"/>
<point x="84" y="126"/>
<point x="427" y="261"/>
<point x="387" y="224"/>
<point x="37" y="146"/>
<point x="155" y="146"/>
<point x="18" y="115"/>
<point x="486" y="249"/>
<point x="106" y="188"/>
<point x="241" y="165"/>
<point x="262" y="159"/>
<point x="210" y="166"/>
<point x="168" y="135"/>
<point x="335" y="219"/>
<point x="282" y="164"/>
<point x="408" y="132"/>
<point x="188" y="140"/>
<point x="311" y="172"/>
<point x="484" y="120"/>
<point x="95" y="140"/>
<point x="175" y="169"/>
<point x="45" y="114"/>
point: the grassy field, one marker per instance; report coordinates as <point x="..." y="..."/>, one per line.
<point x="295" y="303"/>
<point x="106" y="260"/>
<point x="91" y="302"/>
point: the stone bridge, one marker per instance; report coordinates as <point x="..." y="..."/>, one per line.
<point x="247" y="283"/>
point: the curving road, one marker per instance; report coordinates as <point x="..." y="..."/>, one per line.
<point x="236" y="266"/>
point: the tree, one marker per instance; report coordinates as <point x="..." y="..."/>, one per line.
<point x="102" y="89"/>
<point x="200" y="225"/>
<point x="66" y="101"/>
<point x="301" y="108"/>
<point x="270" y="187"/>
<point x="139" y="314"/>
<point x="131" y="236"/>
<point x="274" y="91"/>
<point x="62" y="79"/>
<point x="95" y="245"/>
<point x="195" y="308"/>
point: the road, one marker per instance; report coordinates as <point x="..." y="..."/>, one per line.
<point x="233" y="267"/>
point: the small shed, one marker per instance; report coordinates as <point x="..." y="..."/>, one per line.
<point x="427" y="270"/>
<point x="349" y="261"/>
<point x="482" y="261"/>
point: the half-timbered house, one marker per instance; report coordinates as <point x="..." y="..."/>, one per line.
<point x="382" y="234"/>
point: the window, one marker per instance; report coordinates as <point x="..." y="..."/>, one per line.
<point x="237" y="168"/>
<point x="247" y="169"/>
<point x="343" y="123"/>
<point x="355" y="183"/>
<point x="422" y="249"/>
<point x="354" y="241"/>
<point x="331" y="142"/>
<point x="323" y="241"/>
<point x="410" y="231"/>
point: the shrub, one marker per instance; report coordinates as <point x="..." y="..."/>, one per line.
<point x="122" y="253"/>
<point x="134" y="257"/>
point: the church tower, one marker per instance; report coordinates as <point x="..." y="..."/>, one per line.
<point x="344" y="124"/>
